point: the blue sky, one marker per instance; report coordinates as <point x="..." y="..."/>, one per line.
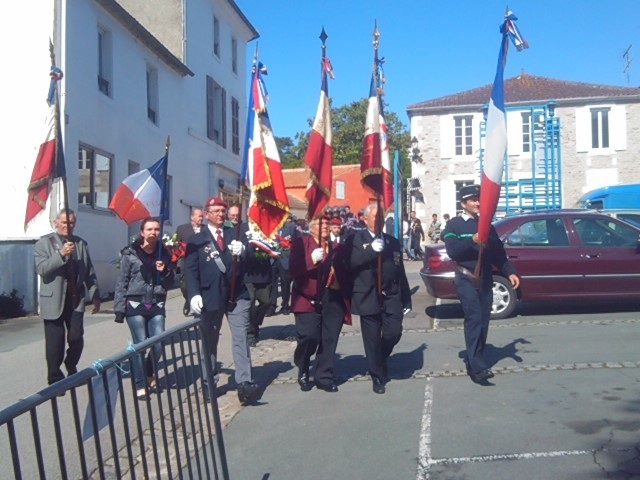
<point x="432" y="48"/>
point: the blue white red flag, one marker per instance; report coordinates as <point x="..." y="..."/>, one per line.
<point x="319" y="155"/>
<point x="49" y="165"/>
<point x="268" y="203"/>
<point x="512" y="31"/>
<point x="375" y="167"/>
<point x="142" y="194"/>
<point x="496" y="137"/>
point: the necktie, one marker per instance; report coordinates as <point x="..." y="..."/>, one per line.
<point x="219" y="239"/>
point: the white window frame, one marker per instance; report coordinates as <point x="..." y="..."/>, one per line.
<point x="235" y="126"/>
<point x="216" y="36"/>
<point x="216" y="112"/>
<point x="463" y="135"/>
<point x="234" y="55"/>
<point x="95" y="191"/>
<point x="105" y="61"/>
<point x="340" y="190"/>
<point x="600" y="128"/>
<point x="153" y="112"/>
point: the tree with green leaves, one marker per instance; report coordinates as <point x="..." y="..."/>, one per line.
<point x="348" y="124"/>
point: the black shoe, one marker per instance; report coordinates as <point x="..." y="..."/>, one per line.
<point x="303" y="381"/>
<point x="248" y="393"/>
<point x="327" y="387"/>
<point x="285" y="310"/>
<point x="483" y="375"/>
<point x="252" y="341"/>
<point x="378" y="385"/>
<point x="271" y="311"/>
<point x="186" y="309"/>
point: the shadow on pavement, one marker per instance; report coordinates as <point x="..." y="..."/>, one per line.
<point x="402" y="365"/>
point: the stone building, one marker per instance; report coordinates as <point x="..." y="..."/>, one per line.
<point x="564" y="138"/>
<point x="135" y="73"/>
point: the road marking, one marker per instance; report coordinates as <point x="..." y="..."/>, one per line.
<point x="500" y="457"/>
<point x="424" y="444"/>
<point x="436" y="321"/>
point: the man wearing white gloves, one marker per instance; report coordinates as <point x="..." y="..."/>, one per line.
<point x="381" y="313"/>
<point x="209" y="271"/>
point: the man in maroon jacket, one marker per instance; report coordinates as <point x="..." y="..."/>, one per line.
<point x="319" y="304"/>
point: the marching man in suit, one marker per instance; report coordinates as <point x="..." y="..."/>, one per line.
<point x="184" y="232"/>
<point x="66" y="278"/>
<point x="381" y="313"/>
<point x="209" y="273"/>
<point x="319" y="304"/>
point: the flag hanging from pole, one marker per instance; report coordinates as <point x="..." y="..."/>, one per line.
<point x="268" y="203"/>
<point x="319" y="155"/>
<point x="49" y="165"/>
<point x="496" y="136"/>
<point x="142" y="194"/>
<point x="375" y="167"/>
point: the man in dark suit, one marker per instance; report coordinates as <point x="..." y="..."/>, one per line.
<point x="184" y="232"/>
<point x="335" y="231"/>
<point x="66" y="278"/>
<point x="319" y="302"/>
<point x="280" y="270"/>
<point x="210" y="268"/>
<point x="381" y="313"/>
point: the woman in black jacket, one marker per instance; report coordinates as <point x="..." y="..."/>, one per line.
<point x="140" y="295"/>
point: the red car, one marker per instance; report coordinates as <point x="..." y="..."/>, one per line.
<point x="559" y="254"/>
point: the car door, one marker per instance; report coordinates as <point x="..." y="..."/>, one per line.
<point x="550" y="267"/>
<point x="611" y="263"/>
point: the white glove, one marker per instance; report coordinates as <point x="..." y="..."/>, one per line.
<point x="317" y="255"/>
<point x="377" y="245"/>
<point x="196" y="304"/>
<point x="236" y="248"/>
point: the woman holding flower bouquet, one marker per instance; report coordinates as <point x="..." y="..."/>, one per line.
<point x="140" y="295"/>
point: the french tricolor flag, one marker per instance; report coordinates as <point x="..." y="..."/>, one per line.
<point x="496" y="136"/>
<point x="142" y="194"/>
<point x="319" y="155"/>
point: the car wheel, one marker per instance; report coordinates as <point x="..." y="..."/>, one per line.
<point x="504" y="298"/>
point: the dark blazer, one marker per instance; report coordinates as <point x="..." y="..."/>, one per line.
<point x="289" y="232"/>
<point x="306" y="274"/>
<point x="51" y="267"/>
<point x="185" y="231"/>
<point x="362" y="263"/>
<point x="203" y="275"/>
<point x="257" y="269"/>
<point x="239" y="264"/>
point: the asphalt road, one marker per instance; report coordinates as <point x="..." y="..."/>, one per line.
<point x="565" y="402"/>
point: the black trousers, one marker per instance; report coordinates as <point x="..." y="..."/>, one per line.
<point x="71" y="325"/>
<point x="318" y="333"/>
<point x="279" y="272"/>
<point x="259" y="296"/>
<point x="380" y="333"/>
<point x="476" y="305"/>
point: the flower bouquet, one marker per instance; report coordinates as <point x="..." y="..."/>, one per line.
<point x="176" y="249"/>
<point x="263" y="246"/>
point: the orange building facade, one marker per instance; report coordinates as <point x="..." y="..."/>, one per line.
<point x="346" y="188"/>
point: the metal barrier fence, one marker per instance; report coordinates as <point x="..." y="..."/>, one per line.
<point x="91" y="425"/>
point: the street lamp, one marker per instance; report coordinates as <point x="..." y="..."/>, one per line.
<point x="551" y="108"/>
<point x="415" y="151"/>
